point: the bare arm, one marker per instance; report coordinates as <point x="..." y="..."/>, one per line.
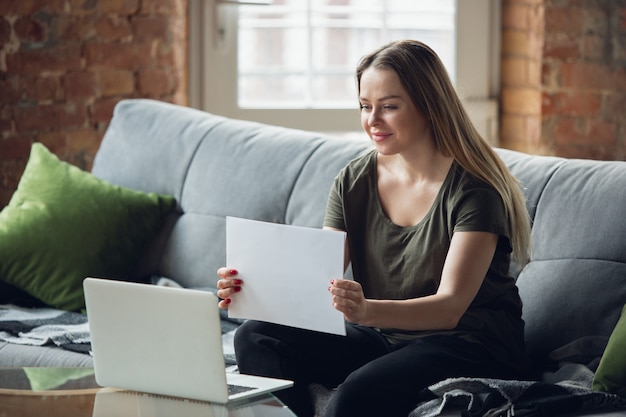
<point x="464" y="270"/>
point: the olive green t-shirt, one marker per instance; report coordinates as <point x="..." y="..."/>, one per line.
<point x="394" y="262"/>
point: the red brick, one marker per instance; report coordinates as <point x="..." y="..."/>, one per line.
<point x="55" y="142"/>
<point x="5" y="30"/>
<point x="602" y="132"/>
<point x="38" y="117"/>
<point x="619" y="79"/>
<point x="578" y="103"/>
<point x="44" y="88"/>
<point x="587" y="151"/>
<point x="594" y="47"/>
<point x="9" y="90"/>
<point x="547" y="104"/>
<point x="10" y="173"/>
<point x="562" y="47"/>
<point x="147" y="28"/>
<point x="580" y="75"/>
<point x="102" y="110"/>
<point x="164" y="7"/>
<point x="120" y="7"/>
<point x="38" y="61"/>
<point x="50" y="117"/>
<point x="619" y="49"/>
<point x="166" y="55"/>
<point x="615" y="103"/>
<point x="576" y="130"/>
<point x="21" y="7"/>
<point x="551" y="74"/>
<point x="6" y="121"/>
<point x="79" y="85"/>
<point x="570" y="130"/>
<point x="596" y="21"/>
<point x="73" y="28"/>
<point x="75" y="114"/>
<point x="29" y="30"/>
<point x="112" y="27"/>
<point x="15" y="148"/>
<point x="116" y="82"/>
<point x="564" y="19"/>
<point x="155" y="82"/>
<point x="82" y="146"/>
<point x="81" y="7"/>
<point x="118" y="56"/>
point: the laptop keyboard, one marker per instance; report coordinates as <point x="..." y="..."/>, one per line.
<point x="238" y="389"/>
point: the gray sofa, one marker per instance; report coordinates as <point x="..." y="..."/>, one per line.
<point x="573" y="289"/>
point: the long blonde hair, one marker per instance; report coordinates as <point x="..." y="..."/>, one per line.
<point x="426" y="80"/>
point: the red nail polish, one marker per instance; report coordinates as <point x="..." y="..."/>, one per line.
<point x="227" y="300"/>
<point x="237" y="289"/>
<point x="232" y="272"/>
<point x="238" y="282"/>
<point x="332" y="282"/>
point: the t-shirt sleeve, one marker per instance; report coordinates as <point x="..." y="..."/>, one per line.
<point x="482" y="210"/>
<point x="334" y="207"/>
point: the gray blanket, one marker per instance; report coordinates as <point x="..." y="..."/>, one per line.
<point x="44" y="326"/>
<point x="565" y="390"/>
<point x="501" y="398"/>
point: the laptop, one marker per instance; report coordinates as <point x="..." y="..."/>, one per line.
<point x="165" y="341"/>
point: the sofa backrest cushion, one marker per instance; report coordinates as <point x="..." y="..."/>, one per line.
<point x="217" y="167"/>
<point x="575" y="284"/>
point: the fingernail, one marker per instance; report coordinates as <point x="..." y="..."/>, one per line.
<point x="238" y="282"/>
<point x="237" y="289"/>
<point x="227" y="300"/>
<point x="232" y="272"/>
<point x="332" y="282"/>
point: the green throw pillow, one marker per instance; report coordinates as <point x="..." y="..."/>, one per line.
<point x="611" y="373"/>
<point x="64" y="224"/>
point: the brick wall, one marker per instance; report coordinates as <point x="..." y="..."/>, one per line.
<point x="64" y="64"/>
<point x="564" y="77"/>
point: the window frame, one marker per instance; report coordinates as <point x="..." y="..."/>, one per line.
<point x="213" y="83"/>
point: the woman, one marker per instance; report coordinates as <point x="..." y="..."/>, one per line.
<point x="432" y="218"/>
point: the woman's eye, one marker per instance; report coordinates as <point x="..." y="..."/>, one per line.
<point x="389" y="107"/>
<point x="365" y="107"/>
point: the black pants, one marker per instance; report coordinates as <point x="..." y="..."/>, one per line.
<point x="373" y="378"/>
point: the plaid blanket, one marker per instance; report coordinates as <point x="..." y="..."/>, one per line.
<point x="563" y="391"/>
<point x="44" y="326"/>
<point x="483" y="397"/>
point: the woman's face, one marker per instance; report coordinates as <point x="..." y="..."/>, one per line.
<point x="388" y="114"/>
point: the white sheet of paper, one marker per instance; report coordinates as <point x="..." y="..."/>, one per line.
<point x="286" y="272"/>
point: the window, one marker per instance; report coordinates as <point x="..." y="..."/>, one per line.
<point x="292" y="63"/>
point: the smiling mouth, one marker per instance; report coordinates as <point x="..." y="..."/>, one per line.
<point x="377" y="137"/>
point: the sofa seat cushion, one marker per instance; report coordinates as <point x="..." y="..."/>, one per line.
<point x="63" y="224"/>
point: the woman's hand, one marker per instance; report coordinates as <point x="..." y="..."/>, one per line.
<point x="227" y="285"/>
<point x="348" y="298"/>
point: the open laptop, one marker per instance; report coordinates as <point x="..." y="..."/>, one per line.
<point x="165" y="341"/>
